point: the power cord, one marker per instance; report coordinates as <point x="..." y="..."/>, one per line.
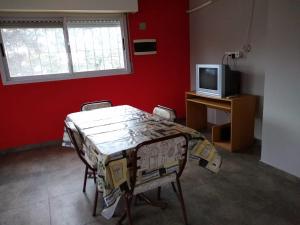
<point x="229" y="56"/>
<point x="225" y="55"/>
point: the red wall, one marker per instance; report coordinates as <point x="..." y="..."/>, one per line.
<point x="34" y="113"/>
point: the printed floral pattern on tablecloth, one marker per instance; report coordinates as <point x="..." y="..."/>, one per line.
<point x="111" y="134"/>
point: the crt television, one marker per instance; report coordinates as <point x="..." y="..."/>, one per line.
<point x="217" y="80"/>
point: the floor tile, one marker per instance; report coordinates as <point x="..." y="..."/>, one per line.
<point x="74" y="208"/>
<point x="31" y="214"/>
<point x="44" y="186"/>
<point x="20" y="193"/>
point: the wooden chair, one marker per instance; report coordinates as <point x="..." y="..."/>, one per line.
<point x="90" y="167"/>
<point x="96" y="105"/>
<point x="166" y="170"/>
<point x="165" y="112"/>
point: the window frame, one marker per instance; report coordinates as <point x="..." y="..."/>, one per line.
<point x="8" y="80"/>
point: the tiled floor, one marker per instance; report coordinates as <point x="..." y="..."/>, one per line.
<point x="44" y="186"/>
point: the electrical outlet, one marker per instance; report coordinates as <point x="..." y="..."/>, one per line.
<point x="236" y="55"/>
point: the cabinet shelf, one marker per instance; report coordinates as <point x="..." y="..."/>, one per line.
<point x="223" y="144"/>
<point x="221" y="136"/>
<point x="214" y="104"/>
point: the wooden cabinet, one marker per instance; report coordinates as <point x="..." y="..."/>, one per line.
<point x="239" y="132"/>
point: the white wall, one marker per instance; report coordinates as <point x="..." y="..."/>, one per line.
<point x="222" y="27"/>
<point x="272" y="69"/>
<point x="70" y="5"/>
<point x="281" y="120"/>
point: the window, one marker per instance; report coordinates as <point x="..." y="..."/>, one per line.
<point x="62" y="48"/>
<point x="35" y="51"/>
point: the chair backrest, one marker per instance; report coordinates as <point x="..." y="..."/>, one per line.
<point x="165" y="112"/>
<point x="77" y="141"/>
<point x="96" y="105"/>
<point x="159" y="157"/>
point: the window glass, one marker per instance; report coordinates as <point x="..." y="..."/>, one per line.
<point x="35" y="51"/>
<point x="96" y="47"/>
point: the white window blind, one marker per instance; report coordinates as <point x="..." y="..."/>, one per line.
<point x="18" y="22"/>
<point x="70" y="6"/>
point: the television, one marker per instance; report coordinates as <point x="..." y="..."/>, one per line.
<point x="217" y="80"/>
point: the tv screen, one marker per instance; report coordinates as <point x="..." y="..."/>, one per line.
<point x="208" y="78"/>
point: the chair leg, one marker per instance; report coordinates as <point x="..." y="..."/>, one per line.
<point x="158" y="193"/>
<point x="85" y="177"/>
<point x="181" y="201"/>
<point x="174" y="188"/>
<point x="159" y="204"/>
<point x="127" y="205"/>
<point x="95" y="202"/>
<point x="94" y="173"/>
<point x="122" y="218"/>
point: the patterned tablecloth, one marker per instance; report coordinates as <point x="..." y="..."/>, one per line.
<point x="110" y="134"/>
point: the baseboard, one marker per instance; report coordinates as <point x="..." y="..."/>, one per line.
<point x="55" y="143"/>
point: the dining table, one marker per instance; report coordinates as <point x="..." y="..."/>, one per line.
<point x="111" y="134"/>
